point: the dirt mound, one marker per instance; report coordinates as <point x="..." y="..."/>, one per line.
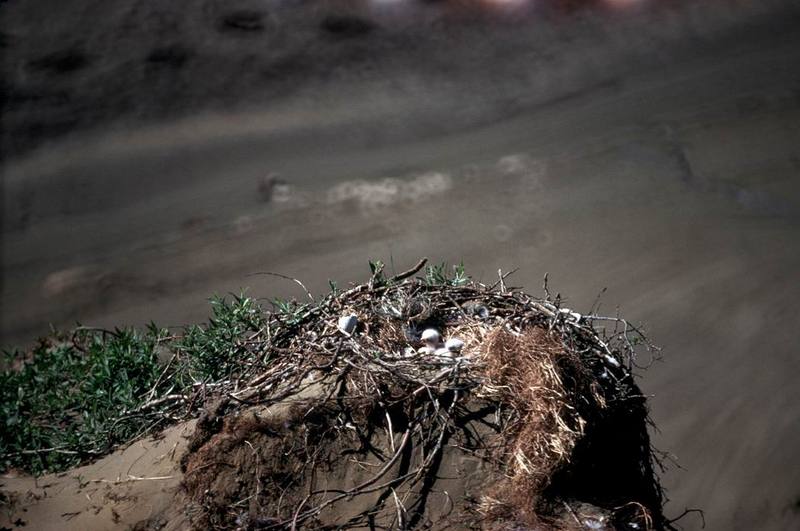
<point x="408" y="402"/>
<point x="363" y="416"/>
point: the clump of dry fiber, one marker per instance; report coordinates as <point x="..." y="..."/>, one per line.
<point x="526" y="371"/>
<point x="531" y="420"/>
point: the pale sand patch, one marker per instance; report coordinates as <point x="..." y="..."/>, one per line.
<point x="134" y="484"/>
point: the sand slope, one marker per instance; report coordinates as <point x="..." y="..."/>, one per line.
<point x="132" y="488"/>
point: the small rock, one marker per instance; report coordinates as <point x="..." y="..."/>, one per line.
<point x="348" y="323"/>
<point x="273" y="189"/>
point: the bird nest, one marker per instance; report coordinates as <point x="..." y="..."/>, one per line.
<point x="530" y="420"/>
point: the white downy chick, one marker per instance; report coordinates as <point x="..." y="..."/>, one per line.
<point x="454" y="345"/>
<point x="432" y="340"/>
<point x="451" y="348"/>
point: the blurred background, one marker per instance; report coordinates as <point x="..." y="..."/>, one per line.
<point x="155" y="153"/>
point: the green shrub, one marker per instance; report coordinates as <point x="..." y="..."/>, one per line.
<point x="78" y="396"/>
<point x="65" y="403"/>
<point x="216" y="350"/>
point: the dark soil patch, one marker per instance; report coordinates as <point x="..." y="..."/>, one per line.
<point x="173" y="56"/>
<point x="346" y="26"/>
<point x="246" y="21"/>
<point x="61" y="62"/>
<point x="254" y="470"/>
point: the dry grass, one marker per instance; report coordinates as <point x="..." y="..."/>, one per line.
<point x="526" y="371"/>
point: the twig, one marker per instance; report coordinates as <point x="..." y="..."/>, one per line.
<point x="409" y="273"/>
<point x="502" y="279"/>
<point x="131" y="478"/>
<point x="401" y="511"/>
<point x="572" y="513"/>
<point x="688" y="511"/>
<point x="296" y="281"/>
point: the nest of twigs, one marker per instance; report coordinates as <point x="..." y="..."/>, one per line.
<point x="535" y="423"/>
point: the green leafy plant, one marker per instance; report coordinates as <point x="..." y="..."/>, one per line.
<point x="70" y="400"/>
<point x="438" y="275"/>
<point x="215" y="350"/>
<point x="288" y="311"/>
<point x="78" y="396"/>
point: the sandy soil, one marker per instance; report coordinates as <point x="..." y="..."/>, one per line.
<point x="137" y="484"/>
<point x="653" y="153"/>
